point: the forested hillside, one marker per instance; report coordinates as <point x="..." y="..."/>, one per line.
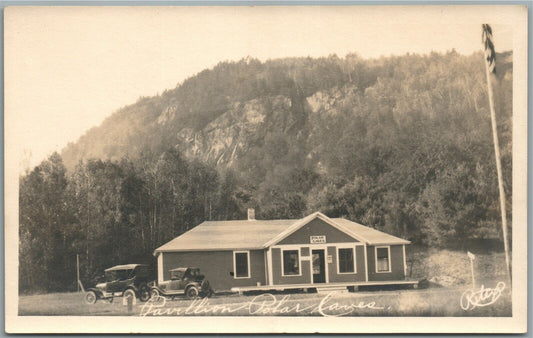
<point x="400" y="143"/>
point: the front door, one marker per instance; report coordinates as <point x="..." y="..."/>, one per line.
<point x="319" y="273"/>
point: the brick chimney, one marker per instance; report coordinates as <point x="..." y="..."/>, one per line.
<point x="251" y="214"/>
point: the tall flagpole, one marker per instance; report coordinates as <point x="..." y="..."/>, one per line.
<point x="490" y="67"/>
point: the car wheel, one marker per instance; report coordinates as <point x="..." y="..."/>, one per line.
<point x="144" y="293"/>
<point x="90" y="297"/>
<point x="192" y="292"/>
<point x="154" y="293"/>
<point x="129" y="293"/>
<point x="207" y="293"/>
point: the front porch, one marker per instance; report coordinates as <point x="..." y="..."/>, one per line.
<point x="332" y="286"/>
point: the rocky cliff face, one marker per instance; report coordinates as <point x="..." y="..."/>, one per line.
<point x="222" y="141"/>
<point x="243" y="126"/>
<point x="230" y="135"/>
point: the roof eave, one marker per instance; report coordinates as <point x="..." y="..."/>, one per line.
<point x="158" y="251"/>
<point x="390" y="243"/>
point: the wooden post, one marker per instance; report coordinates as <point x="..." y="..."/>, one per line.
<point x="81" y="286"/>
<point x="130" y="304"/>
<point x="471" y="257"/>
<point x="78" y="271"/>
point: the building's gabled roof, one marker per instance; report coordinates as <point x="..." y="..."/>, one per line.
<point x="260" y="234"/>
<point x="370" y="236"/>
<point x="227" y="235"/>
<point x="301" y="222"/>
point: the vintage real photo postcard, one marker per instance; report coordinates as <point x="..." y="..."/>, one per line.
<point x="267" y="169"/>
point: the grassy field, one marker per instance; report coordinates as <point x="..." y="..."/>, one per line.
<point x="429" y="302"/>
<point x="450" y="269"/>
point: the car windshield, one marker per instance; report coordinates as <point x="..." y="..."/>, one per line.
<point x="142" y="271"/>
<point x="176" y="274"/>
<point x="114" y="275"/>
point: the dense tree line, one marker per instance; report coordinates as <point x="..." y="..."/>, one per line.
<point x="402" y="144"/>
<point x="111" y="213"/>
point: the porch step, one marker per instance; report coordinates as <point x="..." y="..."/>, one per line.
<point x="328" y="289"/>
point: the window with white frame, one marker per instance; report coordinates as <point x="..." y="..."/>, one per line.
<point x="383" y="259"/>
<point x="291" y="262"/>
<point x="241" y="264"/>
<point x="346" y="260"/>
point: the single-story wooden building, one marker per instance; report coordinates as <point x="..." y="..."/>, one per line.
<point x="314" y="251"/>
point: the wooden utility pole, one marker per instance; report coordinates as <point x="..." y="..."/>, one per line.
<point x="490" y="63"/>
<point x="78" y="271"/>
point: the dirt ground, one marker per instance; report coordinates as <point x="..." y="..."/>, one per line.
<point x="492" y="300"/>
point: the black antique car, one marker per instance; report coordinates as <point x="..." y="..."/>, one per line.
<point x="122" y="280"/>
<point x="183" y="281"/>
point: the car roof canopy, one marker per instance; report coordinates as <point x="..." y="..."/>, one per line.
<point x="182" y="269"/>
<point x="124" y="267"/>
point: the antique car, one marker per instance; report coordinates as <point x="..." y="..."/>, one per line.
<point x="130" y="280"/>
<point x="183" y="281"/>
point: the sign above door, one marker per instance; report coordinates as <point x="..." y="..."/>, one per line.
<point x="317" y="239"/>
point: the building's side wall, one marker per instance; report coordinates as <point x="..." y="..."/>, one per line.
<point x="317" y="227"/>
<point x="396" y="262"/>
<point x="359" y="275"/>
<point x="305" y="270"/>
<point x="217" y="266"/>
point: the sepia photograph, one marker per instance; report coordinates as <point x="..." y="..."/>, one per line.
<point x="301" y="169"/>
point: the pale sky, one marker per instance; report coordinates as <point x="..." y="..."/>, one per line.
<point x="68" y="68"/>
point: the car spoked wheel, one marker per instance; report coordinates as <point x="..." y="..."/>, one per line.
<point x="206" y="289"/>
<point x="90" y="297"/>
<point x="154" y="293"/>
<point x="129" y="293"/>
<point x="144" y="293"/>
<point x="192" y="292"/>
